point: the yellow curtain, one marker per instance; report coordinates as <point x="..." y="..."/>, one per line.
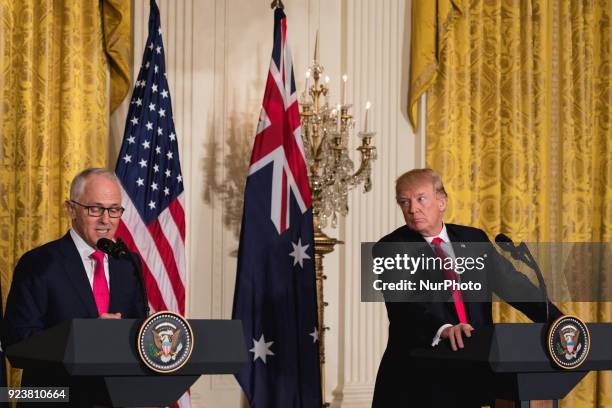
<point x="53" y="110"/>
<point x="432" y="21"/>
<point x="117" y="26"/>
<point x="519" y="126"/>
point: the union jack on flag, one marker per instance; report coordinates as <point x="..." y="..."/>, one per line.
<point x="153" y="224"/>
<point x="275" y="295"/>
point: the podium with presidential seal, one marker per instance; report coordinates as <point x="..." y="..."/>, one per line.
<point x="129" y="362"/>
<point x="523" y="362"/>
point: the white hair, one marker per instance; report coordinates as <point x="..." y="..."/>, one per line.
<point x="77" y="187"/>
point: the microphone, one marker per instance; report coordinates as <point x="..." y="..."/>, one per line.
<point x="119" y="250"/>
<point x="523" y="254"/>
<point x="507" y="245"/>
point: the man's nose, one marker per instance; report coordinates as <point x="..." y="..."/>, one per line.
<point x="105" y="218"/>
<point x="410" y="207"/>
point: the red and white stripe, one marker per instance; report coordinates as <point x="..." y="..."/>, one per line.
<point x="161" y="246"/>
<point x="279" y="140"/>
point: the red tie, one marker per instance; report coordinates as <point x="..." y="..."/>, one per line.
<point x="100" y="287"/>
<point x="450" y="274"/>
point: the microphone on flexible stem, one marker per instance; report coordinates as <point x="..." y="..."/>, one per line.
<point x="113" y="249"/>
<point x="505" y="243"/>
<point x="522" y="253"/>
<point x="119" y="250"/>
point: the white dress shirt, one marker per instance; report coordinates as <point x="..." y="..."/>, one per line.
<point x="89" y="263"/>
<point x="448" y="250"/>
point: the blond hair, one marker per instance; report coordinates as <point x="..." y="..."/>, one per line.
<point x="419" y="176"/>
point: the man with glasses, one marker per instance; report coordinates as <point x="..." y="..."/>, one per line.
<point x="70" y="278"/>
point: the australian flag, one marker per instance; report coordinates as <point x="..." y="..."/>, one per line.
<point x="275" y="294"/>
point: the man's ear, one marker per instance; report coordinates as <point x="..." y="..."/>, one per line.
<point x="442" y="201"/>
<point x="69" y="209"/>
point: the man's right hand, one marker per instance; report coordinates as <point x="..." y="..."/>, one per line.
<point x="454" y="334"/>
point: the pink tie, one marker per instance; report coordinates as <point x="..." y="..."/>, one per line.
<point x="450" y="274"/>
<point x="100" y="287"/>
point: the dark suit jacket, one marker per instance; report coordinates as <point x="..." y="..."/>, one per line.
<point x="50" y="286"/>
<point x="401" y="381"/>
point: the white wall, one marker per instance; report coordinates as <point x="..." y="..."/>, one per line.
<point x="217" y="56"/>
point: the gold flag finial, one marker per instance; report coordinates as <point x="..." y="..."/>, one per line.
<point x="277" y="4"/>
<point x="316" y="50"/>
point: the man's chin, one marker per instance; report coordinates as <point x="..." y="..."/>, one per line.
<point x="415" y="226"/>
<point x="421" y="229"/>
<point x="100" y="236"/>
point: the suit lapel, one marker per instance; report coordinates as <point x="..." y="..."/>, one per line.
<point x="440" y="300"/>
<point x="456" y="240"/>
<point x="436" y="275"/>
<point x="114" y="276"/>
<point x="450" y="303"/>
<point x="74" y="269"/>
<point x="473" y="309"/>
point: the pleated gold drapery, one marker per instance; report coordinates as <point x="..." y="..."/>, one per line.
<point x="117" y="29"/>
<point x="519" y="126"/>
<point x="431" y="23"/>
<point x="53" y="109"/>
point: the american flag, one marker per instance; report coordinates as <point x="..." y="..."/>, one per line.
<point x="153" y="224"/>
<point x="275" y="295"/>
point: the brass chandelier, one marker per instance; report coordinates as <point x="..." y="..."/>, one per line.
<point x="326" y="129"/>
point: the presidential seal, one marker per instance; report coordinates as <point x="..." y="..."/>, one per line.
<point x="568" y="342"/>
<point x="165" y="342"/>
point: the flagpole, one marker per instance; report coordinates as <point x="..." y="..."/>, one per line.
<point x="324" y="245"/>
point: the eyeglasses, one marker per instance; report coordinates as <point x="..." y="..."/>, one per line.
<point x="98" y="211"/>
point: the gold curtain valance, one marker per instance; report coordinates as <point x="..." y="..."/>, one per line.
<point x="431" y="22"/>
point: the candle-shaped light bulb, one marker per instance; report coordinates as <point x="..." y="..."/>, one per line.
<point x="326" y="79"/>
<point x="344" y="80"/>
<point x="338" y="118"/>
<point x="365" y="124"/>
<point x="306" y="84"/>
